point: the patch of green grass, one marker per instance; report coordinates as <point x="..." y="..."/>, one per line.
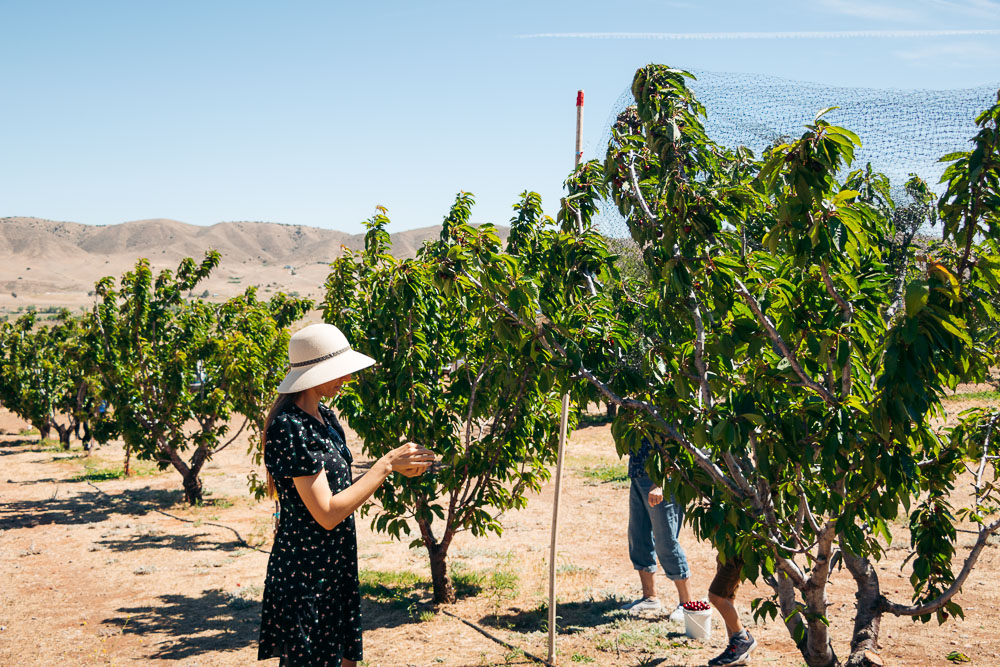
<point x="399" y="588"/>
<point x="975" y="396"/>
<point x="93" y="472"/>
<point x="613" y="473"/>
<point x="467" y="583"/>
<point x="571" y="568"/>
<point x="627" y="634"/>
<point x="218" y="503"/>
<point x="99" y="475"/>
<point x="52" y="445"/>
<point x="576" y="657"/>
<point x="505" y="583"/>
<point x="28" y="431"/>
<point x="592" y="419"/>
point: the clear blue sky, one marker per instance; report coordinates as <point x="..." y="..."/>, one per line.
<point x="314" y="112"/>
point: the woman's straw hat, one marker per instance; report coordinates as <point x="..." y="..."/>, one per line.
<point x="317" y="354"/>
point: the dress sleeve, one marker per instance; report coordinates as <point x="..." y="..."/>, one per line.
<point x="286" y="454"/>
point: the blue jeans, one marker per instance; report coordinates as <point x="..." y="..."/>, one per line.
<point x="653" y="531"/>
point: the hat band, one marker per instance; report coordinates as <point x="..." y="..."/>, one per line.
<point x="297" y="364"/>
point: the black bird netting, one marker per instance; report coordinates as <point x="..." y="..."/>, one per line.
<point x="902" y="131"/>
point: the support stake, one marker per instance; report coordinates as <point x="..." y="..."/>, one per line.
<point x="563" y="425"/>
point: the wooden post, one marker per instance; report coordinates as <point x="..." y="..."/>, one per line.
<point x="563" y="427"/>
<point x="579" y="128"/>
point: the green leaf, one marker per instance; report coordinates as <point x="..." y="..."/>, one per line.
<point x="917" y="293"/>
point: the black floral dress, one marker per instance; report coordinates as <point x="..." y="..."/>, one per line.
<point x="311" y="611"/>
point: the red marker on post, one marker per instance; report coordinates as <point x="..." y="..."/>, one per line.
<point x="579" y="127"/>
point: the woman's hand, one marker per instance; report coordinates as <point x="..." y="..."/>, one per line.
<point x="410" y="459"/>
<point x="655" y="496"/>
<point x="329" y="510"/>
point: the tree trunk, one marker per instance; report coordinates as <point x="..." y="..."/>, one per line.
<point x="868" y="617"/>
<point x="444" y="591"/>
<point x="189" y="472"/>
<point x="64" y="433"/>
<point x="43" y="431"/>
<point x="818" y="651"/>
<point x="787" y="603"/>
<point x="85" y="438"/>
<point x="192" y="488"/>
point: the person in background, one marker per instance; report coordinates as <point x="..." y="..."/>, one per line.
<point x="653" y="528"/>
<point x="722" y="596"/>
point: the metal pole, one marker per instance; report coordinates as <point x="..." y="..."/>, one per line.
<point x="563" y="427"/>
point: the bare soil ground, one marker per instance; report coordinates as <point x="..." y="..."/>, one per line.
<point x="99" y="569"/>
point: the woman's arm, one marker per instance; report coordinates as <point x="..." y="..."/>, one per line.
<point x="329" y="510"/>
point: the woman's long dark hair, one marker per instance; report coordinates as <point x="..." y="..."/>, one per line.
<point x="279" y="404"/>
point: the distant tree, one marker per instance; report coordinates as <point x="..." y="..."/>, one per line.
<point x="42" y="379"/>
<point x="175" y="372"/>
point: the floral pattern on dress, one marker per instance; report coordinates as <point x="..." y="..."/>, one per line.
<point x="311" y="612"/>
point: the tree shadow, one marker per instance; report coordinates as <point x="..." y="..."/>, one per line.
<point x="169" y="541"/>
<point x="389" y="602"/>
<point x="85" y="507"/>
<point x="212" y="623"/>
<point x="44" y="480"/>
<point x="573" y="617"/>
<point x="9" y="447"/>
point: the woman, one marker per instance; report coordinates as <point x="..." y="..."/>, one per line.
<point x="312" y="607"/>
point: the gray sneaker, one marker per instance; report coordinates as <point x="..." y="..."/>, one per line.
<point x="737" y="653"/>
<point x="643" y="606"/>
<point x="677" y="615"/>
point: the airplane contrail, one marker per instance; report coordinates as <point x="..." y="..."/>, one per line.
<point x="844" y="34"/>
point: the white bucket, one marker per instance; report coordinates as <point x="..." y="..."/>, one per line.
<point x="698" y="624"/>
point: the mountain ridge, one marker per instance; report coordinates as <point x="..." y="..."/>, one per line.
<point x="48" y="262"/>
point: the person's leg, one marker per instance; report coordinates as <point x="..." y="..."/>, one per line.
<point x="640" y="540"/>
<point x="666" y="519"/>
<point x="683" y="591"/>
<point x="648" y="580"/>
<point x="722" y="593"/>
<point x="640" y="533"/>
<point x="727" y="610"/>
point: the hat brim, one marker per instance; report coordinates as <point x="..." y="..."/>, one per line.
<point x="300" y="379"/>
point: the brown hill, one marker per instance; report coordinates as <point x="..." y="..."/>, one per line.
<point x="46" y="263"/>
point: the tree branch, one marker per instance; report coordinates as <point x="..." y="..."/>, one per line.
<point x="702" y="458"/>
<point x="945" y="597"/>
<point x="978" y="484"/>
<point x="776" y="338"/>
<point x="233" y="439"/>
<point x="634" y="179"/>
<point x="705" y="397"/>
<point x="847" y="315"/>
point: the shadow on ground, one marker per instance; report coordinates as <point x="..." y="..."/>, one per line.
<point x="197" y="542"/>
<point x="392" y="599"/>
<point x="23" y="446"/>
<point x="85" y="507"/>
<point x="573" y="616"/>
<point x="194" y="626"/>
